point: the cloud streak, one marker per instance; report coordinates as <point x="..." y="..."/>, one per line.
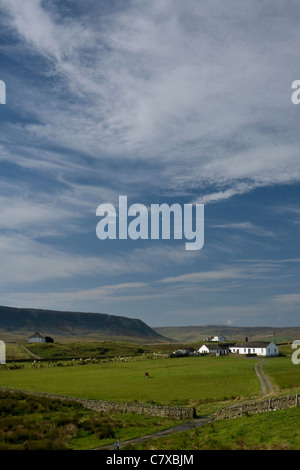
<point x="158" y="101"/>
<point x="167" y="86"/>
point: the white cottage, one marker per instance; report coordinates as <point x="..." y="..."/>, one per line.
<point x="36" y="338"/>
<point x="217" y="339"/>
<point x="260" y="348"/>
<point x="212" y="349"/>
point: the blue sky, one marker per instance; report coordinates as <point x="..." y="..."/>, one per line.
<point x="162" y="101"/>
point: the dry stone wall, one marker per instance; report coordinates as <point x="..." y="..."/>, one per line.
<point x="259" y="406"/>
<point x="153" y="410"/>
<point x="175" y="412"/>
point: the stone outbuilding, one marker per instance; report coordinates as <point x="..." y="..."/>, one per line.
<point x="36" y="338"/>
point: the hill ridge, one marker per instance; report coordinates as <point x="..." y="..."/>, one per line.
<point x="21" y="322"/>
<point x="194" y="333"/>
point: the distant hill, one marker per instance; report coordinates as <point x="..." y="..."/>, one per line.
<point x="191" y="334"/>
<point x="20" y="323"/>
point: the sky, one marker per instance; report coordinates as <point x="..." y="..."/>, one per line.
<point x="162" y="101"/>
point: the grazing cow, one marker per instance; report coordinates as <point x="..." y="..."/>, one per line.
<point x="146" y="374"/>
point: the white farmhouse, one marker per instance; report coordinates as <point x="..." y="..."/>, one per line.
<point x="36" y="338"/>
<point x="260" y="348"/>
<point x="217" y="339"/>
<point x="212" y="349"/>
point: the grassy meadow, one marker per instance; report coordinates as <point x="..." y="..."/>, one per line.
<point x="43" y="423"/>
<point x="283" y="373"/>
<point x="69" y="350"/>
<point x="265" y="431"/>
<point x="115" y="372"/>
<point x="180" y="381"/>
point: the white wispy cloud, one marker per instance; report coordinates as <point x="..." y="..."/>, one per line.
<point x="248" y="227"/>
<point x="24" y="260"/>
<point x="168" y="83"/>
<point x="149" y="99"/>
<point x="287" y="301"/>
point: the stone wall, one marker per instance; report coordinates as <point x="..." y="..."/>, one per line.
<point x="258" y="406"/>
<point x="178" y="412"/>
<point x="175" y="412"/>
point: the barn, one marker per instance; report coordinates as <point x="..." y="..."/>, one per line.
<point x="259" y="348"/>
<point x="36" y="338"/>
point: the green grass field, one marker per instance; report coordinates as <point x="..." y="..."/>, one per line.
<point x="207" y="383"/>
<point x="43" y="423"/>
<point x="79" y="349"/>
<point x="54" y="351"/>
<point x="182" y="381"/>
<point x="265" y="431"/>
<point x="283" y="373"/>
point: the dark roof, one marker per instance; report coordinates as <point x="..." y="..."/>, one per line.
<point x="212" y="346"/>
<point x="36" y="335"/>
<point x="253" y="344"/>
